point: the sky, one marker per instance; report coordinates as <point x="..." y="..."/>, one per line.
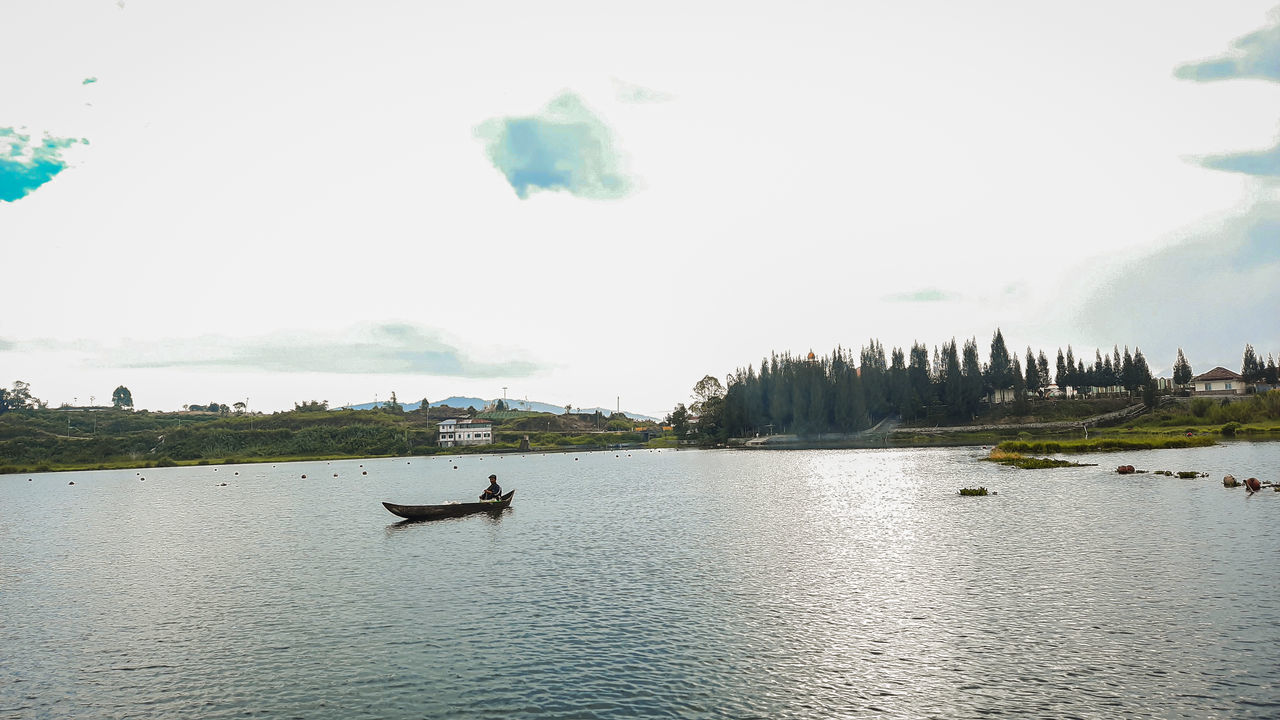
<point x="599" y="204"/>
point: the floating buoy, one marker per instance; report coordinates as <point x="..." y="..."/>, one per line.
<point x="455" y="467"/>
<point x="335" y="474"/>
<point x="366" y="472"/>
<point x="141" y="478"/>
<point x="237" y="473"/>
<point x="73" y="482"/>
<point x="304" y="477"/>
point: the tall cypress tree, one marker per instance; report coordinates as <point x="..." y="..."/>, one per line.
<point x="1072" y="378"/>
<point x="953" y="380"/>
<point x="971" y="368"/>
<point x="875" y="381"/>
<point x="1181" y="370"/>
<point x="918" y="379"/>
<point x="999" y="368"/>
<point x="1042" y="369"/>
<point x="899" y="384"/>
<point x="1141" y="372"/>
<point x="1032" y="379"/>
<point x="1061" y="377"/>
<point x="1250" y="368"/>
<point x="1020" y="406"/>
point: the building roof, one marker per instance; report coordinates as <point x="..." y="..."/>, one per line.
<point x="1218" y="373"/>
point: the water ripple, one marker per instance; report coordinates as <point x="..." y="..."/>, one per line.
<point x="690" y="584"/>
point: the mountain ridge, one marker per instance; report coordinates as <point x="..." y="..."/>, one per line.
<point x="458" y="401"/>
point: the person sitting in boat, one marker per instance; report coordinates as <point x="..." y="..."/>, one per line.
<point x="493" y="492"/>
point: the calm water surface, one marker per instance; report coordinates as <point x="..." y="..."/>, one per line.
<point x="809" y="584"/>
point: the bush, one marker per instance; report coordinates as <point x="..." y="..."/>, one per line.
<point x="1229" y="430"/>
<point x="1200" y="407"/>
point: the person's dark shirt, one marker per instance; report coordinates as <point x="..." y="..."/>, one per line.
<point x="493" y="492"/>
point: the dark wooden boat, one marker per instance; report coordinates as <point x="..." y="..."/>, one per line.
<point x="438" y="512"/>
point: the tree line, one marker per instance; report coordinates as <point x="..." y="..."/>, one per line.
<point x="19" y="397"/>
<point x="844" y="393"/>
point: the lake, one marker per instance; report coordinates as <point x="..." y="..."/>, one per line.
<point x="692" y="584"/>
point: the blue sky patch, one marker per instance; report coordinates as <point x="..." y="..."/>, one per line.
<point x="1256" y="55"/>
<point x="1262" y="163"/>
<point x="565" y="148"/>
<point x="25" y="166"/>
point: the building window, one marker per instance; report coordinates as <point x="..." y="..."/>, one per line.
<point x="1208" y="387"/>
<point x="1228" y="387"/>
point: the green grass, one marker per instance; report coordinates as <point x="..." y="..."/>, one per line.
<point x="1107" y="442"/>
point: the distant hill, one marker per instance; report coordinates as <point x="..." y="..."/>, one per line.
<point x="481" y="403"/>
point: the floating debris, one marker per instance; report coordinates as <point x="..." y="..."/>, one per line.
<point x="975" y="491"/>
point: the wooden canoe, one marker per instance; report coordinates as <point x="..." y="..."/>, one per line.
<point x="438" y="512"/>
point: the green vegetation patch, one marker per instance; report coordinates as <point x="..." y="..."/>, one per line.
<point x="1019" y="460"/>
<point x="1098" y="444"/>
<point x="974" y="491"/>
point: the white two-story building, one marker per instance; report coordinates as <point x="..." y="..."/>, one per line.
<point x="455" y="433"/>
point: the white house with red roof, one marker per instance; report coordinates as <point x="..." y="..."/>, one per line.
<point x="1218" y="381"/>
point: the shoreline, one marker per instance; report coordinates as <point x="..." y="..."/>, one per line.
<point x="1015" y="439"/>
<point x="153" y="464"/>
